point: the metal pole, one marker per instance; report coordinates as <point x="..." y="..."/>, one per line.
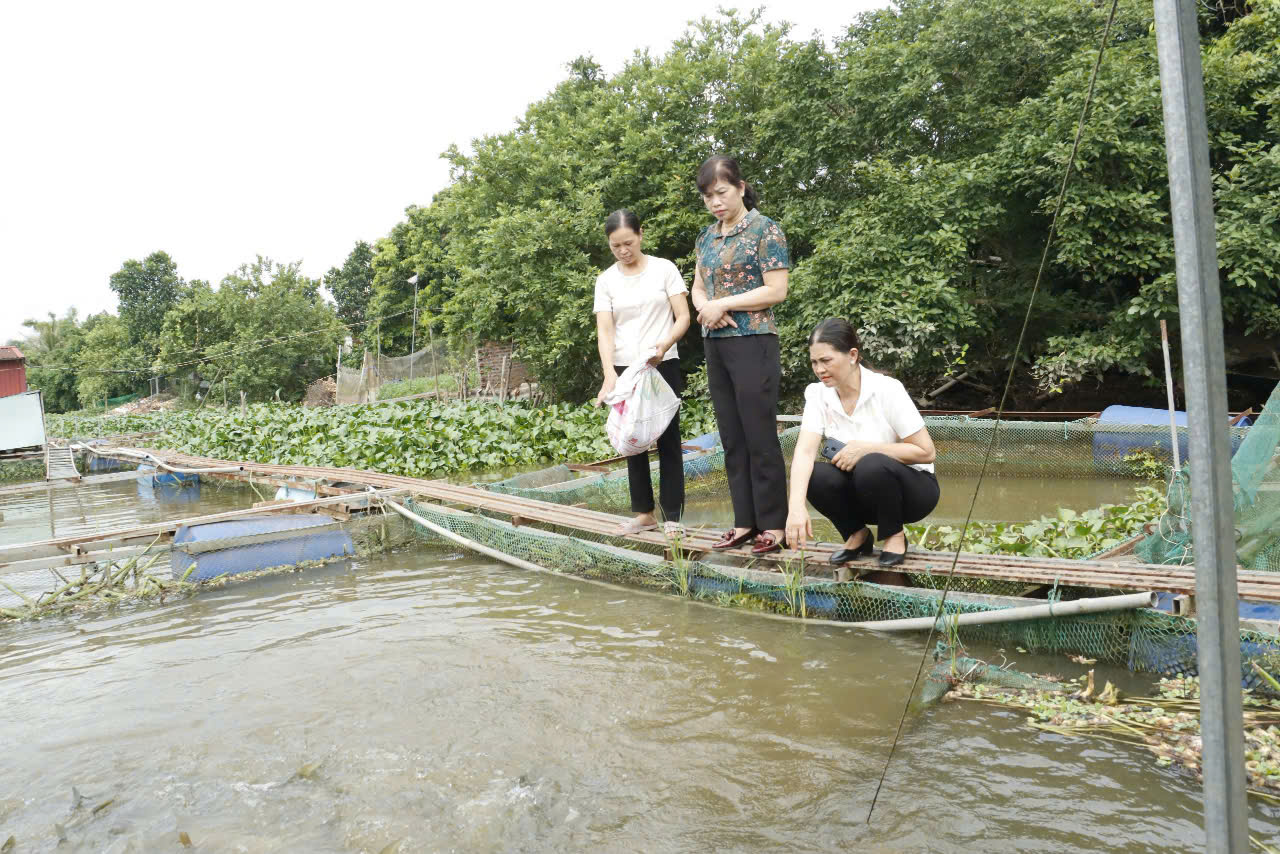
<point x="1204" y="372"/>
<point x="412" y="338"/>
<point x="431" y="338"/>
<point x="337" y="376"/>
<point x="1168" y="387"/>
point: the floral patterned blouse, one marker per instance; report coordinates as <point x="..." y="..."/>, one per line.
<point x="736" y="263"/>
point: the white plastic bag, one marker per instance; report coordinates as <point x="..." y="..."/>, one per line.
<point x="641" y="406"/>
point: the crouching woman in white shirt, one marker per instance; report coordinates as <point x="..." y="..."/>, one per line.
<point x="882" y="472"/>
<point x="641" y="312"/>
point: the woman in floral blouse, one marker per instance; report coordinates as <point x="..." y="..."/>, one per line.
<point x="741" y="274"/>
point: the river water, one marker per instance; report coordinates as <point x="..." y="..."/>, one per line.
<point x="449" y="704"/>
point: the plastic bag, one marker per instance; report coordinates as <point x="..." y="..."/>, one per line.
<point x="641" y="406"/>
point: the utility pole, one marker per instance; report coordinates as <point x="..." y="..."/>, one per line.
<point x="413" y="334"/>
<point x="1204" y="371"/>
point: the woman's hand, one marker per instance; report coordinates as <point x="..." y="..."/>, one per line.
<point x="606" y="388"/>
<point x="847" y="457"/>
<point x="799" y="528"/>
<point x="713" y="315"/>
<point x="663" y="347"/>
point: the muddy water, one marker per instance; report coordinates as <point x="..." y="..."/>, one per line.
<point x="999" y="499"/>
<point x="460" y="706"/>
<point x="69" y="511"/>
<point x="456" y="705"/>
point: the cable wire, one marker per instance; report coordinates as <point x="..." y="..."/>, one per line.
<point x="1013" y="362"/>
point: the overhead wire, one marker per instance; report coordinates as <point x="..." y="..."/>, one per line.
<point x="999" y="415"/>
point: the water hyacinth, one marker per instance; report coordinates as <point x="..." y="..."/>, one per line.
<point x="420" y="438"/>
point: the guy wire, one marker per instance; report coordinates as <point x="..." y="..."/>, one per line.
<point x="1013" y="362"/>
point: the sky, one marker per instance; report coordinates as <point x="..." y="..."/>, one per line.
<point x="219" y="132"/>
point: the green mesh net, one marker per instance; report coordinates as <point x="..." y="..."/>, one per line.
<point x="21" y="471"/>
<point x="1143" y="640"/>
<point x="1255" y="488"/>
<point x="1085" y="448"/>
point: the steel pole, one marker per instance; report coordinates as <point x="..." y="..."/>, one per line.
<point x="1204" y="375"/>
<point x="413" y="336"/>
<point x="1168" y="388"/>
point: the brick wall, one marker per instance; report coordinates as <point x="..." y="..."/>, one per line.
<point x="490" y="356"/>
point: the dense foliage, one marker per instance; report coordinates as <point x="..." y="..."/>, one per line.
<point x="913" y="165"/>
<point x="1067" y="534"/>
<point x="414" y="438"/>
<point x="265" y="331"/>
<point x="913" y="162"/>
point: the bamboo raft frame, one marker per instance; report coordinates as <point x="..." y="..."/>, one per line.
<point x="1253" y="585"/>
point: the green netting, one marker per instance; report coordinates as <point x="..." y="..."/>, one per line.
<point x="1255" y="488"/>
<point x="116" y="401"/>
<point x="1143" y="640"/>
<point x="21" y="471"/>
<point x="1083" y="448"/>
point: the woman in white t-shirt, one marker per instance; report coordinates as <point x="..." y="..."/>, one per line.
<point x="641" y="312"/>
<point x="881" y="454"/>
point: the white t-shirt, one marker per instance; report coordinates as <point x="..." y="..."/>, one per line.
<point x="884" y="413"/>
<point x="641" y="308"/>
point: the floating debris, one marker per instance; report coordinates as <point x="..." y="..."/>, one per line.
<point x="1167" y="724"/>
<point x="184" y="839"/>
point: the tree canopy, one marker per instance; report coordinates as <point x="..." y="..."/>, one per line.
<point x="913" y="162"/>
<point x="913" y="165"/>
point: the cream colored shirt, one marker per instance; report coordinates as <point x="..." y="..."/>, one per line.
<point x="884" y="413"/>
<point x="641" y="307"/>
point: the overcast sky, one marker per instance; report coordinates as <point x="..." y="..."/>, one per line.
<point x="217" y="132"/>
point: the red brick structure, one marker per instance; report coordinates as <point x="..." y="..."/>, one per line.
<point x="491" y="357"/>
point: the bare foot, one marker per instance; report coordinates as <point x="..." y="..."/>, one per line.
<point x="642" y="522"/>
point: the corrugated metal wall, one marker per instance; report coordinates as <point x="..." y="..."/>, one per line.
<point x="13" y="377"/>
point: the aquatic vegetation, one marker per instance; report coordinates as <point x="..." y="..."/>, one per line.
<point x="1167" y="724"/>
<point x="1068" y="534"/>
<point x="418" y="438"/>
<point x="113" y="582"/>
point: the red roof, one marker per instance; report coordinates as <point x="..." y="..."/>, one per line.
<point x="11" y="354"/>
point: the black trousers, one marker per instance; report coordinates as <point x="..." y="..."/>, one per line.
<point x="743" y="373"/>
<point x="879" y="489"/>
<point x="670" y="459"/>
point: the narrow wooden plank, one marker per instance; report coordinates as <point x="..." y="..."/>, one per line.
<point x="1044" y="571"/>
<point x="53" y="547"/>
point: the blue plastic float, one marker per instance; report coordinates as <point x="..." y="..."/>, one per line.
<point x="297" y="543"/>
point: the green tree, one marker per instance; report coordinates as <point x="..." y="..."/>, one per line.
<point x="914" y="165"/>
<point x="147" y="289"/>
<point x="109" y="364"/>
<point x="352" y="286"/>
<point x="264" y="329"/>
<point x="52" y="351"/>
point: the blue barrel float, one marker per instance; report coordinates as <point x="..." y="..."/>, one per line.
<point x="276" y="541"/>
<point x="167" y="487"/>
<point x="1113" y="446"/>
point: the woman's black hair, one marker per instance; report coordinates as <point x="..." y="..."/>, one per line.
<point x="619" y="218"/>
<point x="837" y="333"/>
<point x="721" y="166"/>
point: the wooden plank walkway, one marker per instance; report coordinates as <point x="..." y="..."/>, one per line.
<point x="90" y="546"/>
<point x="60" y="464"/>
<point x="1253" y="585"/>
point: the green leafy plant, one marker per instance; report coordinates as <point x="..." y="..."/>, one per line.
<point x="418" y="438"/>
<point x="1067" y="534"/>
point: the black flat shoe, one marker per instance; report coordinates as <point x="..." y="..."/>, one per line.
<point x="845" y="555"/>
<point x="888" y="558"/>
